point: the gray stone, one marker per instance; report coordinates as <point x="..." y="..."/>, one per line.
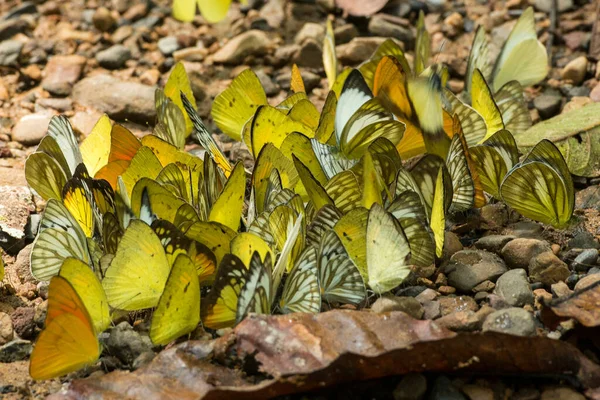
<point x="411" y="387"/>
<point x="271" y="88"/>
<point x="6" y="329"/>
<point x="30" y="129"/>
<point x="26" y="7"/>
<point x="16" y="350"/>
<point x="525" y="229"/>
<point x="583" y="240"/>
<point x="514" y="288"/>
<point x="114" y="57"/>
<point x="548" y="105"/>
<point x="468" y="268"/>
<point x="42" y="289"/>
<point x="147" y="22"/>
<point x="452" y="245"/>
<point x="493" y="216"/>
<point x="58" y="104"/>
<point x="518" y="252"/>
<point x="547" y="269"/>
<point x="586" y="260"/>
<point x="560" y="289"/>
<point x="444" y="389"/>
<point x="127" y="344"/>
<point x="493" y="243"/>
<point x="409" y="305"/>
<point x="168" y="45"/>
<point x="11" y="27"/>
<point x="119" y="99"/>
<point x="250" y="43"/>
<point x="10" y="50"/>
<point x="388" y="26"/>
<point x="514" y="321"/>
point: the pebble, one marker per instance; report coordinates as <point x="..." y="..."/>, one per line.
<point x="585" y="260"/>
<point x="190" y="54"/>
<point x="388" y="26"/>
<point x="58" y="104"/>
<point x="150" y="77"/>
<point x="548" y="105"/>
<point x="310" y="30"/>
<point x="16" y="350"/>
<point x="514" y="321"/>
<point x="576" y="103"/>
<point x="121" y="100"/>
<point x="168" y="45"/>
<point x="61" y="73"/>
<point x="23" y="322"/>
<point x="493" y="216"/>
<point x="547" y="268"/>
<point x="271" y="88"/>
<point x="114" y="57"/>
<point x="575" y="70"/>
<point x="358" y="49"/>
<point x="561" y="393"/>
<point x="525" y="229"/>
<point x="432" y="310"/>
<point x="411" y="387"/>
<point x="468" y="268"/>
<point x="345" y="33"/>
<point x="518" y="252"/>
<point x="310" y="55"/>
<point x="30" y="129"/>
<point x="409" y="305"/>
<point x="127" y="344"/>
<point x="546" y="5"/>
<point x="103" y="19"/>
<point x="514" y="288"/>
<point x="595" y="93"/>
<point x="460" y="321"/>
<point x="452" y="245"/>
<point x="452" y="304"/>
<point x="444" y="389"/>
<point x="284" y="53"/>
<point x="560" y="289"/>
<point x="10" y="50"/>
<point x="11" y="27"/>
<point x="6" y="328"/>
<point x="122" y="33"/>
<point x="587" y="281"/>
<point x="493" y="243"/>
<point x="250" y="43"/>
<point x="584" y="240"/>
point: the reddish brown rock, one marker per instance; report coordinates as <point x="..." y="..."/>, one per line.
<point x="61" y="73"/>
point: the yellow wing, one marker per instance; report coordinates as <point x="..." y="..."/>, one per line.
<point x="352" y="231"/>
<point x="388" y="251"/>
<point x="178" y="83"/>
<point x="244" y="244"/>
<point x="484" y="104"/>
<point x="329" y="55"/>
<point x="438" y="214"/>
<point x="96" y="146"/>
<point x="227" y="210"/>
<point x="45" y="176"/>
<point x="89" y="289"/>
<point x="178" y="310"/>
<point x="213" y="10"/>
<point x="238" y="103"/>
<point x="68" y="341"/>
<point x="137" y="275"/>
<point x="184" y="10"/>
<point x="297" y="83"/>
<point x="372" y="183"/>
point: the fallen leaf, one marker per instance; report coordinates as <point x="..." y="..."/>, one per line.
<point x="301" y="352"/>
<point x="361" y="8"/>
<point x="582" y="305"/>
<point x="576" y="134"/>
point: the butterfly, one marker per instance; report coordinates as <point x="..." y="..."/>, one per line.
<point x="329" y="55"/>
<point x="178" y="309"/>
<point x="540" y="187"/>
<point x="139" y="270"/>
<point x="211" y="11"/>
<point x="523" y="57"/>
<point x="69" y="340"/>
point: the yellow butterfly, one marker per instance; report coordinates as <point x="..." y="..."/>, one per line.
<point x="238" y="103"/>
<point x="540" y="187"/>
<point x="438" y="214"/>
<point x="138" y="273"/>
<point x="329" y="55"/>
<point x="178" y="309"/>
<point x="69" y="340"/>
